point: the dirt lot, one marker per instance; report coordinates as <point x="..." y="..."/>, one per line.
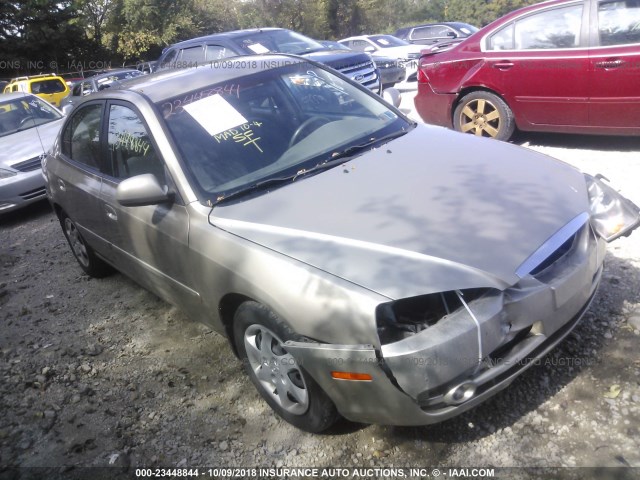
<point x="101" y="372"/>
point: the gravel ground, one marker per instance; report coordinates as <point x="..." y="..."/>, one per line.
<point x="103" y="373"/>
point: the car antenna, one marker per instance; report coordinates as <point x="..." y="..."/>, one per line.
<point x="33" y="119"/>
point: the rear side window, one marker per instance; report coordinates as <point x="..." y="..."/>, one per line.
<point x="52" y="85"/>
<point x="130" y="148"/>
<point x="547" y="30"/>
<point x="81" y="137"/>
<point x="619" y="22"/>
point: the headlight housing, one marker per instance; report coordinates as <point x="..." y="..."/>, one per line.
<point x="612" y="215"/>
<point x="403" y="318"/>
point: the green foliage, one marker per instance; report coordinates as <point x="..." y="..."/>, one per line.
<point x="40" y="36"/>
<point x="128" y="30"/>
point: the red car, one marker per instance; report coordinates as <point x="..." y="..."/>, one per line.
<point x="558" y="66"/>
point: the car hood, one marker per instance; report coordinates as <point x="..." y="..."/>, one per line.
<point x="431" y="211"/>
<point x="21" y="146"/>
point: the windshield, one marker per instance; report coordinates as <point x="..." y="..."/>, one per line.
<point x="279" y="41"/>
<point x="272" y="124"/>
<point x="23" y="113"/>
<point x="388" y="41"/>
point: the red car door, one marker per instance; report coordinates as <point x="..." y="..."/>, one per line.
<point x="615" y="67"/>
<point x="541" y="63"/>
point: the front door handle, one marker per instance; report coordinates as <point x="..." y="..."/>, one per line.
<point x="111" y="212"/>
<point x="610" y="63"/>
<point x="503" y="65"/>
<point x="62" y="185"/>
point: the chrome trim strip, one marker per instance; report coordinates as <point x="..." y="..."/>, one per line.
<point x="552" y="244"/>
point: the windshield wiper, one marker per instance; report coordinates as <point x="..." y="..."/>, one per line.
<point x="337" y="158"/>
<point x="353" y="149"/>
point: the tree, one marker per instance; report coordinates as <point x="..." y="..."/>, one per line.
<point x="41" y="35"/>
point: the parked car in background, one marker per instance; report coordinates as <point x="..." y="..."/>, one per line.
<point x="93" y="84"/>
<point x="28" y="128"/>
<point x="387" y="46"/>
<point x="221" y="46"/>
<point x="359" y="263"/>
<point x="430" y="33"/>
<point x="391" y="70"/>
<point x="49" y="87"/>
<point x="568" y="66"/>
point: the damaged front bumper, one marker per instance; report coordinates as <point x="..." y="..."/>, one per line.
<point x="471" y="353"/>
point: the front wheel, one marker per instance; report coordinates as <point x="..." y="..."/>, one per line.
<point x="484" y="114"/>
<point x="291" y="392"/>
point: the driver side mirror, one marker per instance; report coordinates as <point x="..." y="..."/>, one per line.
<point x="142" y="190"/>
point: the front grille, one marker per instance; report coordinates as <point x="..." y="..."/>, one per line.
<point x="28" y="165"/>
<point x="363" y="73"/>
<point x="35" y="193"/>
<point x="555" y="256"/>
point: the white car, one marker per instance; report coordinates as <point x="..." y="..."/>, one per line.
<point x="28" y="127"/>
<point x="388" y="46"/>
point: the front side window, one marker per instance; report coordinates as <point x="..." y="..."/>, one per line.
<point x="619" y="22"/>
<point x="130" y="147"/>
<point x="81" y="137"/>
<point x="271" y="124"/>
<point x="217" y="52"/>
<point x="550" y="29"/>
<point x="192" y="54"/>
<point x="422" y="33"/>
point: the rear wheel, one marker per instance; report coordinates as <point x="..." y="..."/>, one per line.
<point x="484" y="114"/>
<point x="290" y="391"/>
<point x="86" y="257"/>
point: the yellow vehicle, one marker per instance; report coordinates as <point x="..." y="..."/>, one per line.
<point x="48" y="86"/>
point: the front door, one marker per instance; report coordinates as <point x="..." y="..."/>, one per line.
<point x="151" y="242"/>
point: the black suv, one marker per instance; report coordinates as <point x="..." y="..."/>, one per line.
<point x="215" y="48"/>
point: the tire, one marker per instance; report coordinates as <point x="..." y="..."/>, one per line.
<point x="86" y="257"/>
<point x="484" y="114"/>
<point x="259" y="337"/>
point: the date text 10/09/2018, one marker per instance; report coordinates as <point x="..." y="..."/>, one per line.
<point x="354" y="472"/>
<point x="229" y="64"/>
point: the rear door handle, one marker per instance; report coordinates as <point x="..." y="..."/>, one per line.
<point x="111" y="212"/>
<point x="503" y="65"/>
<point x="610" y="63"/>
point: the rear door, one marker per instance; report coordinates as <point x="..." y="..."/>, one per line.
<point x="77" y="178"/>
<point x="540" y="64"/>
<point x="615" y="67"/>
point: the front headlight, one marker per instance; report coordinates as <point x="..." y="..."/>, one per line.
<point x="6" y="173"/>
<point x="612" y="215"/>
<point x="403" y="318"/>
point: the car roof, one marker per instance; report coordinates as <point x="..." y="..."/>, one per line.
<point x="12" y="95"/>
<point x="231" y="34"/>
<point x="168" y="83"/>
<point x="42" y="76"/>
